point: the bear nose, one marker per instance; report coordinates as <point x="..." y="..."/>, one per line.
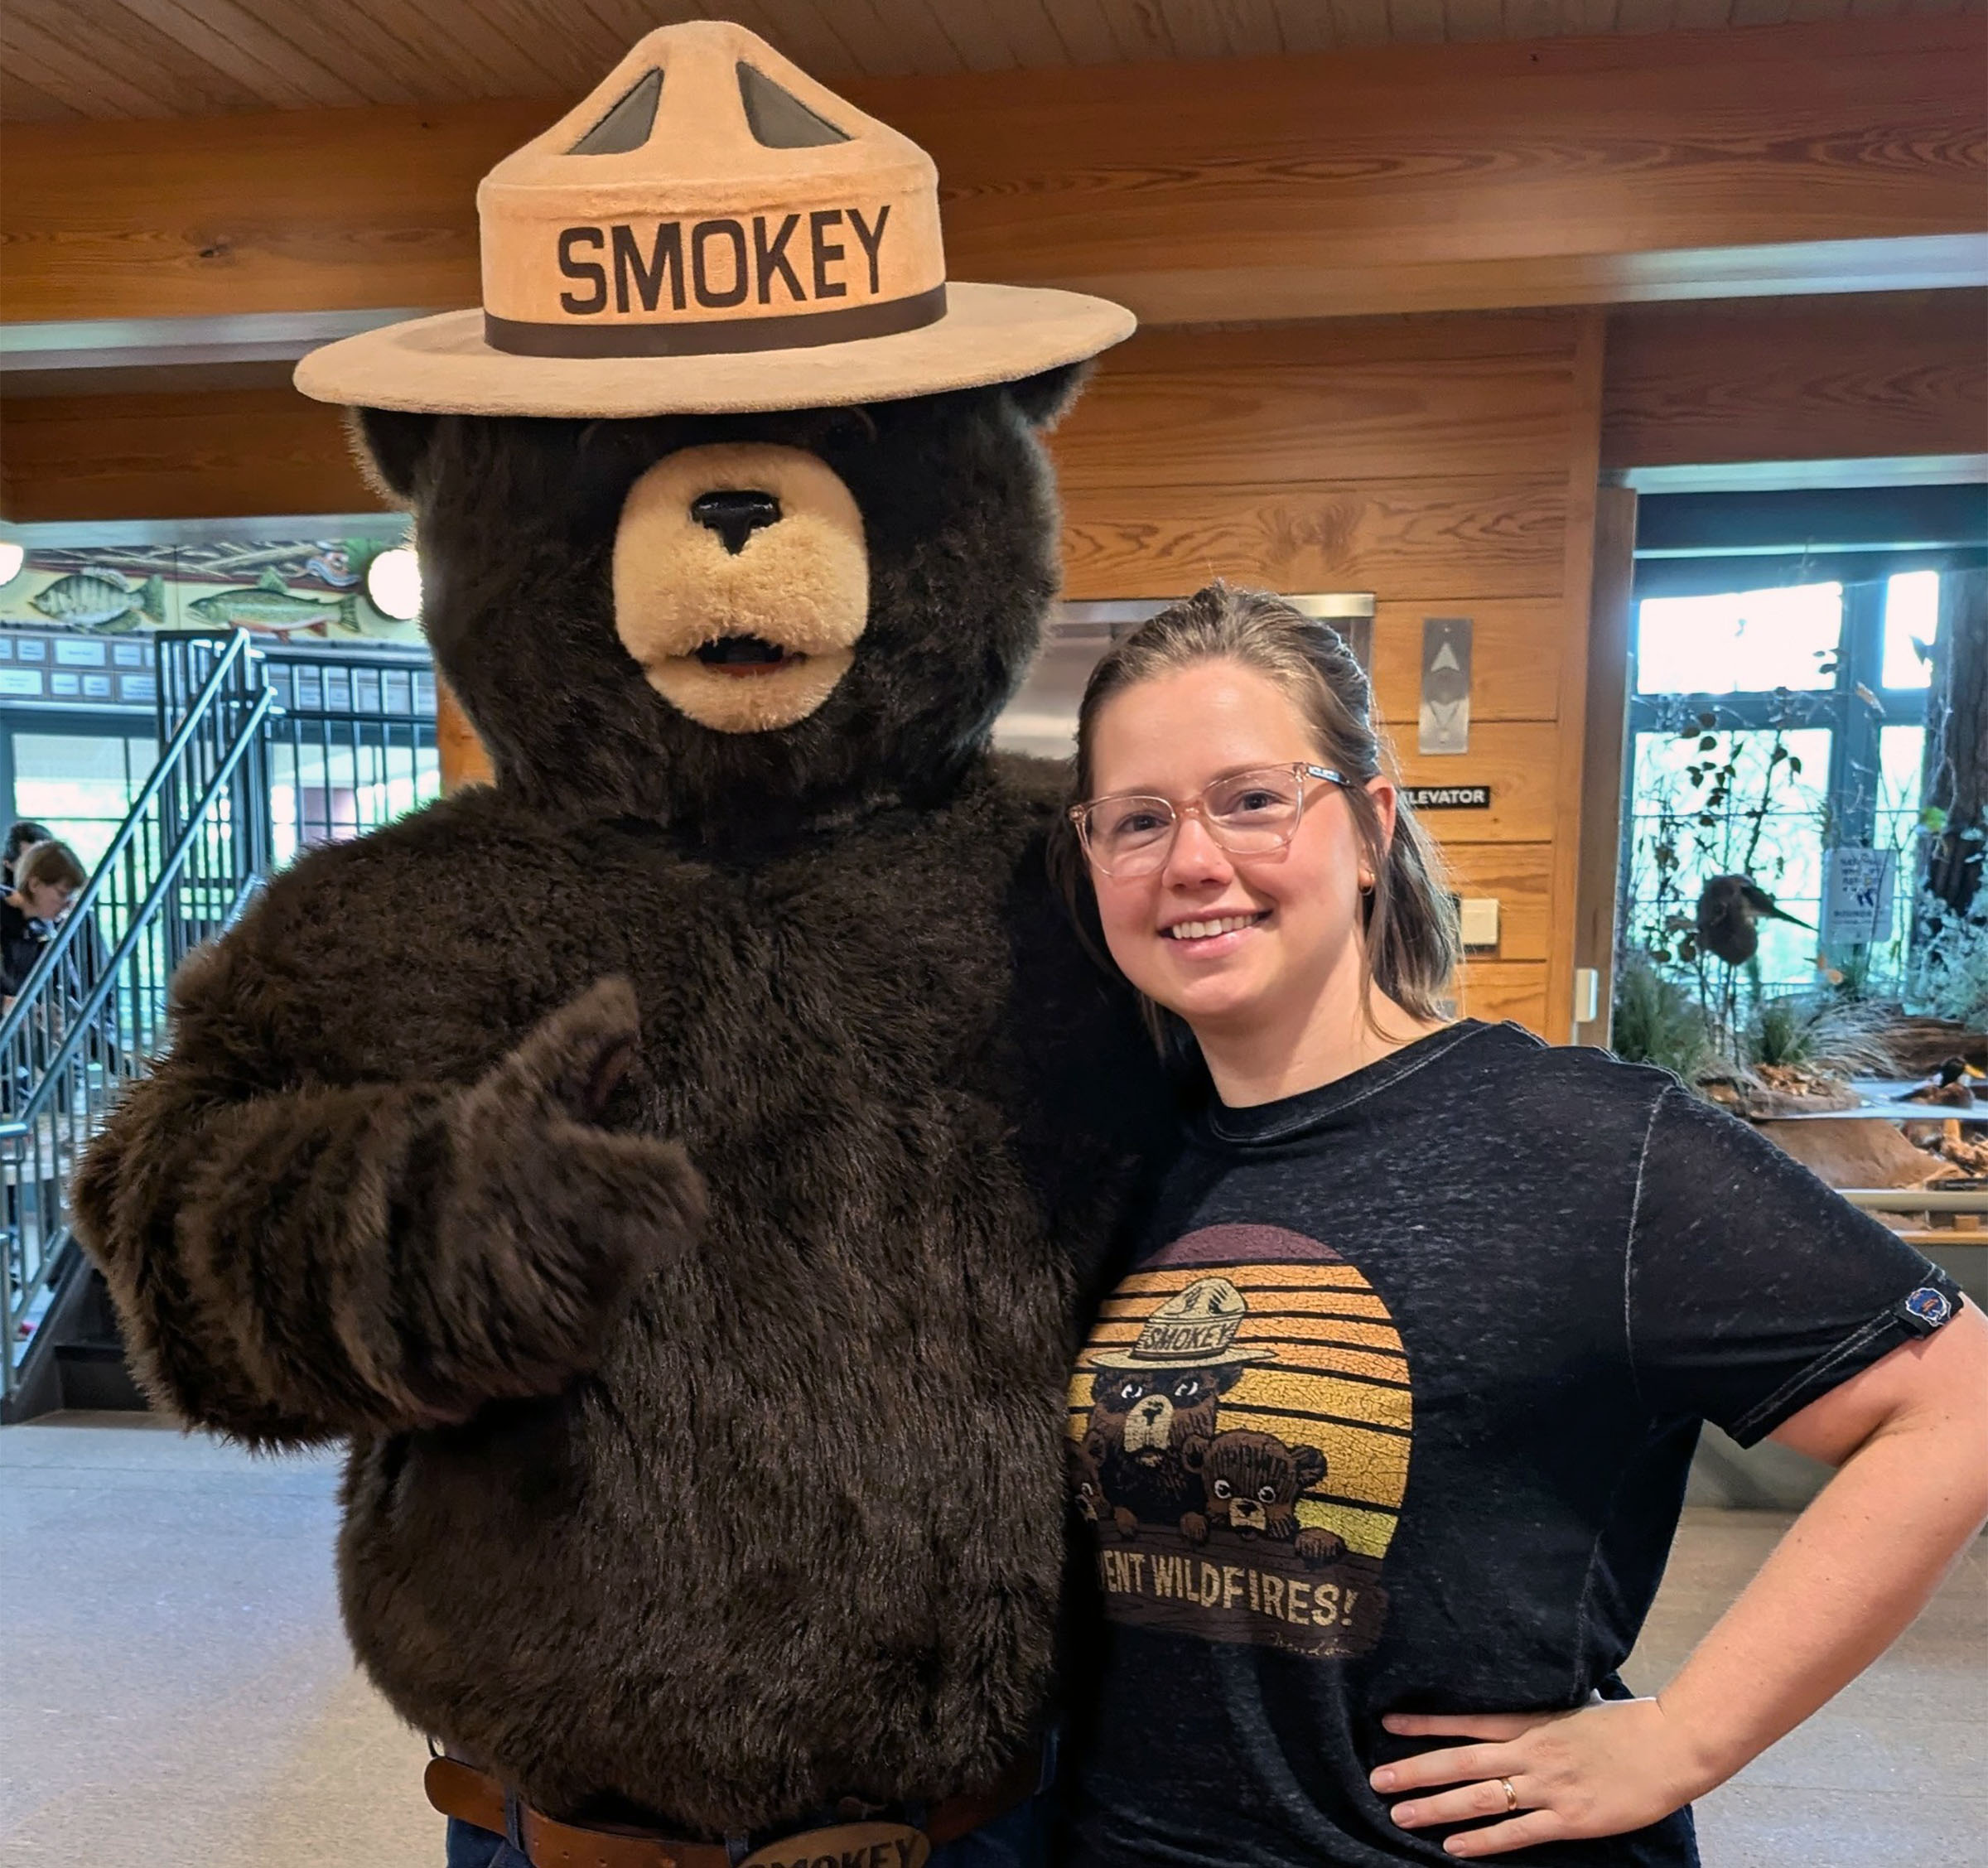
<point x="735" y="515"/>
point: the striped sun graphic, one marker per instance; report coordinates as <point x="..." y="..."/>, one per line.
<point x="1330" y="1372"/>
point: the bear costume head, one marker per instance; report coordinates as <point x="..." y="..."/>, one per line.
<point x="733" y="624"/>
<point x="730" y="509"/>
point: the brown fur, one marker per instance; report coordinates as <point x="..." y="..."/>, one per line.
<point x="717" y="1493"/>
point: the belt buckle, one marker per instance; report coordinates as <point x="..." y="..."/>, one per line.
<point x="848" y="1845"/>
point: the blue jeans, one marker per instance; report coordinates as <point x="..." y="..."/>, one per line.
<point x="1021" y="1839"/>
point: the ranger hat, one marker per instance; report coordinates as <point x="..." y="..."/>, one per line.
<point x="710" y="231"/>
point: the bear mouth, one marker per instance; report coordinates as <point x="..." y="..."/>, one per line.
<point x="747" y="655"/>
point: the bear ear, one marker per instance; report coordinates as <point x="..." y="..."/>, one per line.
<point x="392" y="446"/>
<point x="1310" y="1463"/>
<point x="1193" y="1451"/>
<point x="1045" y="398"/>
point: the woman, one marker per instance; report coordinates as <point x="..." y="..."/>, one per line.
<point x="1384" y="1434"/>
<point x="46" y="877"/>
<point x="21" y="835"/>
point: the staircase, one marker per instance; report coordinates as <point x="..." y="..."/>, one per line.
<point x="182" y="867"/>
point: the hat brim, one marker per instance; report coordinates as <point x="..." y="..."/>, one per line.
<point x="1131" y="1359"/>
<point x="441" y="364"/>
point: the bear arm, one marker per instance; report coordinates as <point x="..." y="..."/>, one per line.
<point x="300" y="1265"/>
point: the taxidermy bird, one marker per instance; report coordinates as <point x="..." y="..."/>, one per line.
<point x="1948" y="1086"/>
<point x="1728" y="908"/>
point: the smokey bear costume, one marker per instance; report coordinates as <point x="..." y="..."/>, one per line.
<point x="673" y="1168"/>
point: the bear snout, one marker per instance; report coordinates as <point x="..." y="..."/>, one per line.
<point x="741" y="582"/>
<point x="734" y="515"/>
<point x="1149" y="1425"/>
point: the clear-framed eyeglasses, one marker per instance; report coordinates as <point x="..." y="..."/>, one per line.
<point x="1248" y="813"/>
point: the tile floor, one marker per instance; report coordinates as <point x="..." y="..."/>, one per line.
<point x="175" y="1691"/>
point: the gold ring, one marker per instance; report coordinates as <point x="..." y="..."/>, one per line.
<point x="1511" y="1795"/>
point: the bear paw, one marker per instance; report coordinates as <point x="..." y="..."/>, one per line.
<point x="1318" y="1548"/>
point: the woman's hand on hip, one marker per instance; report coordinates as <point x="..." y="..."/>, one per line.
<point x="1605" y="1767"/>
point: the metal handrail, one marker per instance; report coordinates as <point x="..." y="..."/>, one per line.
<point x="50" y="960"/>
<point x="188" y="856"/>
<point x="203" y="834"/>
<point x="142" y="917"/>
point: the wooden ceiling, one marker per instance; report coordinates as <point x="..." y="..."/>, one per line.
<point x="61" y="60"/>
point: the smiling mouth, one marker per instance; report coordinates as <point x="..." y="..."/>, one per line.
<point x="746" y="656"/>
<point x="1215" y="925"/>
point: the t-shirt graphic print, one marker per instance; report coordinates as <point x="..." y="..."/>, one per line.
<point x="1240" y="1428"/>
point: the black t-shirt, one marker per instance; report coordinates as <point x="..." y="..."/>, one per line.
<point x="1393" y="1412"/>
<point x="20" y="943"/>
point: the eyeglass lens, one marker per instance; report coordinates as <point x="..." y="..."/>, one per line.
<point x="1247" y="812"/>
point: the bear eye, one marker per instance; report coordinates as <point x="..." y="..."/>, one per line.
<point x="1129" y="1391"/>
<point x="1188" y="1389"/>
<point x="1086" y="1489"/>
<point x="1267" y="1493"/>
<point x="1223" y="1489"/>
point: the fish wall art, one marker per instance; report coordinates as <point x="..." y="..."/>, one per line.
<point x="303" y="590"/>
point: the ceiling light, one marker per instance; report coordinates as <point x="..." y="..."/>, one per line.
<point x="393" y="583"/>
<point x="12" y="558"/>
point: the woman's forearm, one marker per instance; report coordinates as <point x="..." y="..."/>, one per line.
<point x="1845" y="1582"/>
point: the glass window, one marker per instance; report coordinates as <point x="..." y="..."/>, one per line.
<point x="80" y="785"/>
<point x="1751" y="802"/>
<point x="326" y="792"/>
<point x="1912" y="623"/>
<point x="1740" y="641"/>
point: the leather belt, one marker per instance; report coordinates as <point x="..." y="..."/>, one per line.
<point x="475" y="1796"/>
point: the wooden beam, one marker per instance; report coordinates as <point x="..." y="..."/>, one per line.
<point x="195" y="454"/>
<point x="1788" y="159"/>
<point x="1610" y="613"/>
<point x="1889" y="376"/>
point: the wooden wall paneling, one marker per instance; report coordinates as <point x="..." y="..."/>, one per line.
<point x="1610" y="616"/>
<point x="1571" y="121"/>
<point x="226" y="453"/>
<point x="1452" y="540"/>
<point x="122" y="68"/>
<point x="382" y="60"/>
<point x="1082" y="28"/>
<point x="38" y="56"/>
<point x="1584" y="476"/>
<point x="1515" y="989"/>
<point x="897" y="37"/>
<point x="1519" y="874"/>
<point x="1827" y="378"/>
<point x="23" y="103"/>
<point x="1518" y="760"/>
<point x="802" y="29"/>
<point x="233" y="42"/>
<point x="1514" y="667"/>
<point x="461" y="754"/>
<point x="1443" y="177"/>
<point x="1335" y="402"/>
<point x="1307" y="25"/>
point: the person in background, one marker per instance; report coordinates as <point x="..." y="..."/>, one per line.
<point x="20" y="836"/>
<point x="1382" y="1436"/>
<point x="46" y="877"/>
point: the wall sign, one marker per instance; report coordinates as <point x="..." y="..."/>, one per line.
<point x="1444" y="723"/>
<point x="1856" y="896"/>
<point x="1448" y="797"/>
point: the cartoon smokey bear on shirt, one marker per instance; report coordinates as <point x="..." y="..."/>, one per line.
<point x="1239" y="1434"/>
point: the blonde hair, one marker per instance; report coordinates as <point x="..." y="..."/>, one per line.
<point x="51" y="862"/>
<point x="1411" y="947"/>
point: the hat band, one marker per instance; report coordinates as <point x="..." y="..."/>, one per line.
<point x="716" y="336"/>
